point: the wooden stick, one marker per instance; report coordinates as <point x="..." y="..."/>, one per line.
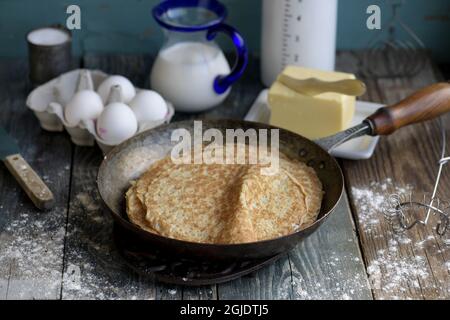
<point x="30" y="182"/>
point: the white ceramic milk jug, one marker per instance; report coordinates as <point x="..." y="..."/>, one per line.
<point x="190" y="70"/>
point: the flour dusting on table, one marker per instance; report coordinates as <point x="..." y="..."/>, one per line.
<point x="371" y="200"/>
<point x="31" y="248"/>
<point x="94" y="269"/>
<point x="349" y="287"/>
<point x="392" y="269"/>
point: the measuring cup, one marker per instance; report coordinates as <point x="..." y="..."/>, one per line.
<point x="301" y="33"/>
<point x="191" y="70"/>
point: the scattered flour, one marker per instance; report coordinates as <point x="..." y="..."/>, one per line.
<point x="372" y="200"/>
<point x="31" y="246"/>
<point x="392" y="273"/>
<point x="172" y="292"/>
<point x="349" y="286"/>
<point x="330" y="289"/>
<point x="87" y="201"/>
<point x="94" y="269"/>
<point x="31" y="255"/>
<point x="394" y="270"/>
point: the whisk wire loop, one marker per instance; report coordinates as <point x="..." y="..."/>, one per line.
<point x="401" y="206"/>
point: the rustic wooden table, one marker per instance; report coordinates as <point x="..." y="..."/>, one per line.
<point x="68" y="253"/>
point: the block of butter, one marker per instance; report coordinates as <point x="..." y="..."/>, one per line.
<point x="311" y="116"/>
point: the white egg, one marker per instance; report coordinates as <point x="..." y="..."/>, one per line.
<point x="128" y="90"/>
<point x="84" y="105"/>
<point x="117" y="123"/>
<point x="148" y="105"/>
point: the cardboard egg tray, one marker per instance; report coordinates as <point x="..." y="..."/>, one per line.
<point x="48" y="101"/>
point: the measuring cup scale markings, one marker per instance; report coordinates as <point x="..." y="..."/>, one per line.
<point x="190" y="70"/>
<point x="297" y="32"/>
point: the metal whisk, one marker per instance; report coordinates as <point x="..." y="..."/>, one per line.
<point x="388" y="56"/>
<point x="400" y="207"/>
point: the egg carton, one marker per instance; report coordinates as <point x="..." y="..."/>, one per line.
<point x="48" y="101"/>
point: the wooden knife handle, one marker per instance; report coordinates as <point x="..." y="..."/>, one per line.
<point x="425" y="104"/>
<point x="30" y="182"/>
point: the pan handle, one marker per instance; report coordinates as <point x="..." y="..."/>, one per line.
<point x="425" y="104"/>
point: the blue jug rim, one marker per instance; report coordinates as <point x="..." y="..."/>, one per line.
<point x="212" y="5"/>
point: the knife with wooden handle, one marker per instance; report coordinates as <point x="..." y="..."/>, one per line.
<point x="28" y="179"/>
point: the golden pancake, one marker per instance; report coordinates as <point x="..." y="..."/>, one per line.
<point x="135" y="210"/>
<point x="216" y="203"/>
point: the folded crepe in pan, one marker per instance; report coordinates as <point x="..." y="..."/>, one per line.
<point x="274" y="206"/>
<point x="216" y="203"/>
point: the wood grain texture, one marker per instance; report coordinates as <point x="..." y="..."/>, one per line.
<point x="200" y="293"/>
<point x="413" y="265"/>
<point x="329" y="265"/>
<point x="31" y="242"/>
<point x="271" y="282"/>
<point x="93" y="269"/>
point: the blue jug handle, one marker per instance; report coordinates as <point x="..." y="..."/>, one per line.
<point x="223" y="82"/>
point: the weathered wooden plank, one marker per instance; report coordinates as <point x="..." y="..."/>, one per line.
<point x="93" y="269"/>
<point x="413" y="265"/>
<point x="168" y="292"/>
<point x="271" y="282"/>
<point x="328" y="264"/>
<point x="200" y="293"/>
<point x="31" y="242"/>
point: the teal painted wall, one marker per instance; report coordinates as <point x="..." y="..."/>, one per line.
<point x="429" y="19"/>
<point x="127" y="26"/>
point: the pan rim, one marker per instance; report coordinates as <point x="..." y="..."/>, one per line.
<point x="143" y="232"/>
